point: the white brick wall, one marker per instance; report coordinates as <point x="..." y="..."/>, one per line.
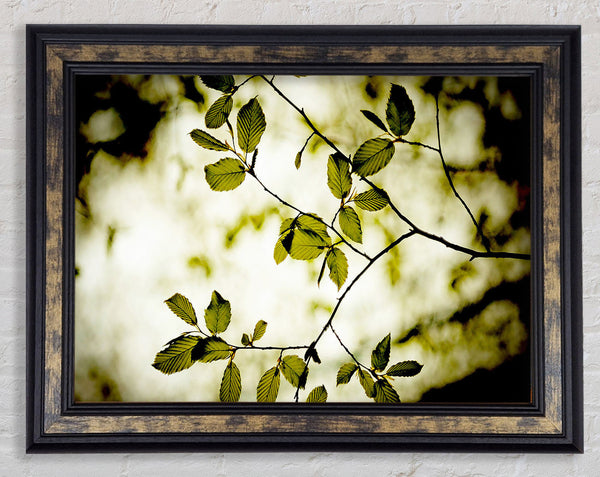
<point x="14" y="14"/>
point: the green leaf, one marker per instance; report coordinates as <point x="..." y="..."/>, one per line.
<point x="345" y="373"/>
<point x="182" y="307"/>
<point x="176" y="356"/>
<point x="268" y="386"/>
<point x="218" y="314"/>
<point x="350" y="224"/>
<point x="338" y="176"/>
<point x="384" y="392"/>
<point x="224" y="83"/>
<point x="251" y="125"/>
<point x="305" y="244"/>
<point x="304" y="377"/>
<point x="286" y="240"/>
<point x="210" y="349"/>
<point x="400" y="112"/>
<point x="286" y="225"/>
<point x="310" y="222"/>
<point x="405" y="369"/>
<point x="321" y="271"/>
<point x="298" y="160"/>
<point x="280" y="253"/>
<point x="259" y="330"/>
<point x="218" y="113"/>
<point x="366" y="381"/>
<point x="226" y="174"/>
<point x="338" y="266"/>
<point x="317" y="395"/>
<point x="372" y="156"/>
<point x="381" y="354"/>
<point x="372" y="200"/>
<point x="245" y="339"/>
<point x="303" y="237"/>
<point x="207" y="141"/>
<point x="312" y="354"/>
<point x="374" y="119"/>
<point x="294" y="370"/>
<point x="313" y="223"/>
<point x="231" y="384"/>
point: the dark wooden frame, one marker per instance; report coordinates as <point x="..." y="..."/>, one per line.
<point x="549" y="55"/>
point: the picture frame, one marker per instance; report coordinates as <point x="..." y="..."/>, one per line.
<point x="548" y="55"/>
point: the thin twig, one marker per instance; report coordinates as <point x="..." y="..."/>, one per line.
<point x="484" y="240"/>
<point x="232" y="137"/>
<point x="200" y="331"/>
<point x="280" y="348"/>
<point x="303" y="114"/>
<point x="414" y="143"/>
<point x="306" y="143"/>
<point x="236" y="347"/>
<point x="244" y="82"/>
<point x="346" y="348"/>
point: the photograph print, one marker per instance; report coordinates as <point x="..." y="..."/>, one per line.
<point x="302" y="239"/>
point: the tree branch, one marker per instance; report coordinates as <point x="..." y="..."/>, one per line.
<point x="279" y="348"/>
<point x="414" y="143"/>
<point x="349" y="287"/>
<point x="436" y="238"/>
<point x="414" y="230"/>
<point x="484" y="240"/>
<point x="346" y="349"/>
<point x="459" y="248"/>
<point x="303" y="114"/>
<point x="236" y="347"/>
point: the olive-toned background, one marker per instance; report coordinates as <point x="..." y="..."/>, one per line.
<point x="147" y="225"/>
<point x="14" y="14"/>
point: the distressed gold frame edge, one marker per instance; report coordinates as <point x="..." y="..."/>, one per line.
<point x="55" y="423"/>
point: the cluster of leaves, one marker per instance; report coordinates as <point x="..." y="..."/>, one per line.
<point x="306" y="237"/>
<point x="181" y="352"/>
<point x="374" y="380"/>
<point x="374" y="154"/>
<point x="198" y="346"/>
<point x="303" y="237"/>
<point x="229" y="173"/>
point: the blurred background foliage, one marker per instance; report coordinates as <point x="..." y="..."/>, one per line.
<point x="147" y="226"/>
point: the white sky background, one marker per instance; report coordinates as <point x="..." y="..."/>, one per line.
<point x="164" y="214"/>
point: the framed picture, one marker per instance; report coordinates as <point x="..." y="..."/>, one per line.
<point x="293" y="238"/>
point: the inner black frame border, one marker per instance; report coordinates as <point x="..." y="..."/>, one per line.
<point x="531" y="71"/>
